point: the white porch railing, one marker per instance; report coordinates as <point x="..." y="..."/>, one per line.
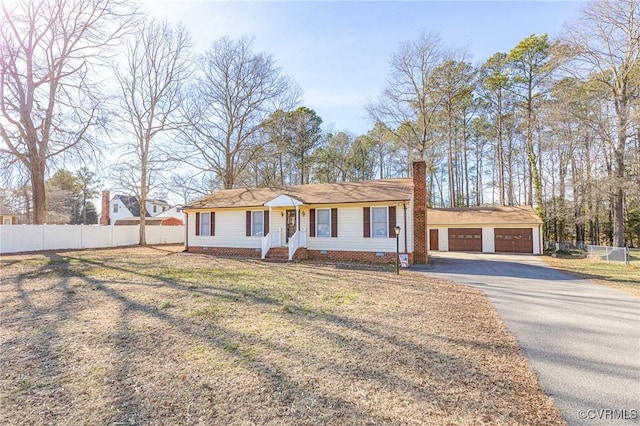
<point x="266" y="245"/>
<point x="299" y="239"/>
<point x="272" y="239"/>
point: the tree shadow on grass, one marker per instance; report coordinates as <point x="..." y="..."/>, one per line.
<point x="377" y="357"/>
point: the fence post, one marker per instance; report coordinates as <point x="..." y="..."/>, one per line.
<point x="626" y="256"/>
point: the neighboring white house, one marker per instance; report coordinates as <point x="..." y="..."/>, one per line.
<point x="485" y="229"/>
<point x="127" y="206"/>
<point x="175" y="211"/>
<point x="340" y="221"/>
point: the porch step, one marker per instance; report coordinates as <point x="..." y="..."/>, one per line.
<point x="278" y="254"/>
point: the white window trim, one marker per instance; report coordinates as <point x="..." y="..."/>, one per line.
<point x="317" y="223"/>
<point x="208" y="228"/>
<point x="253" y="232"/>
<point x="371" y="222"/>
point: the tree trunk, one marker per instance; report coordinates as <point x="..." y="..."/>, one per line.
<point x="452" y="190"/>
<point x="38" y="194"/>
<point x="143" y="202"/>
<point x="500" y="153"/>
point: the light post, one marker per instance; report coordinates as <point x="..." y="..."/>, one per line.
<point x="397" y="229"/>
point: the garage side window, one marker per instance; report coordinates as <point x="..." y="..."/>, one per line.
<point x="379" y="222"/>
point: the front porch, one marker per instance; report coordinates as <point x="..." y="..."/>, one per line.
<point x="285" y="232"/>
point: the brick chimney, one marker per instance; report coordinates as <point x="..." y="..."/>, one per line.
<point x="104" y="218"/>
<point x="420" y="212"/>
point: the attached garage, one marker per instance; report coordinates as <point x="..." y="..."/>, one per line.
<point x="513" y="240"/>
<point x="515" y="229"/>
<point x="465" y="239"/>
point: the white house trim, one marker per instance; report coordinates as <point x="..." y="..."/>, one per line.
<point x="284" y="201"/>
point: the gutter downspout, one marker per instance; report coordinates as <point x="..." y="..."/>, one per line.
<point x="404" y="206"/>
<point x="186" y="231"/>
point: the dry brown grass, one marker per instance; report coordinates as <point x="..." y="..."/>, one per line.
<point x="147" y="336"/>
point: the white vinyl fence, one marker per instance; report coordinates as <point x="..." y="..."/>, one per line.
<point x="24" y="238"/>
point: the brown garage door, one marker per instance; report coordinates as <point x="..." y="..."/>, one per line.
<point x="465" y="239"/>
<point x="514" y="240"/>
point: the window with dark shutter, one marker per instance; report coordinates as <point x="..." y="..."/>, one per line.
<point x="266" y="223"/>
<point x="366" y="222"/>
<point x="312" y="222"/>
<point x="334" y="223"/>
<point x="392" y="221"/>
<point x="213" y="224"/>
<point x="248" y="224"/>
<point x="197" y="223"/>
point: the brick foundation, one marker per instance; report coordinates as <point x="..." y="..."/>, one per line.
<point x="349" y="256"/>
<point x="305" y="254"/>
<point x="226" y="251"/>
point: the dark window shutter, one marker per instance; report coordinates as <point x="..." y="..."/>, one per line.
<point x="248" y="224"/>
<point x="312" y="222"/>
<point x="366" y="222"/>
<point x="334" y="223"/>
<point x="265" y="222"/>
<point x="392" y="221"/>
<point x="197" y="223"/>
<point x="213" y="224"/>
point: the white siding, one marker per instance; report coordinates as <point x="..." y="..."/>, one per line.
<point x="277" y="225"/>
<point x="350" y="236"/>
<point x="488" y="236"/>
<point x="488" y="240"/>
<point x="230" y="230"/>
<point x="537" y="239"/>
<point x="443" y="239"/>
<point x="123" y="211"/>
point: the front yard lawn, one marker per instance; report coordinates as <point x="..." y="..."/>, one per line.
<point x="155" y="336"/>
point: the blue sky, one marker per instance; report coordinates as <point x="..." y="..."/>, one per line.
<point x="338" y="52"/>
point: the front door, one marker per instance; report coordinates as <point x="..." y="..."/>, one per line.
<point x="291" y="223"/>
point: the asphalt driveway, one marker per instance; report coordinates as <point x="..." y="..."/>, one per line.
<point x="581" y="338"/>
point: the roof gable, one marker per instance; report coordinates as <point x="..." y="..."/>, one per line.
<point x="283" y="201"/>
<point x="132" y="204"/>
<point x="324" y="193"/>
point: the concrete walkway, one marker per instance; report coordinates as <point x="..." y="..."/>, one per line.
<point x="581" y="338"/>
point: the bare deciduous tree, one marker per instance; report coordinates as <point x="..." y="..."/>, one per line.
<point x="151" y="83"/>
<point x="606" y="42"/>
<point x="50" y="99"/>
<point x="408" y="101"/>
<point x="235" y="91"/>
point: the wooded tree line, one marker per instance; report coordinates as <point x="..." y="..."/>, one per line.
<point x="553" y="123"/>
